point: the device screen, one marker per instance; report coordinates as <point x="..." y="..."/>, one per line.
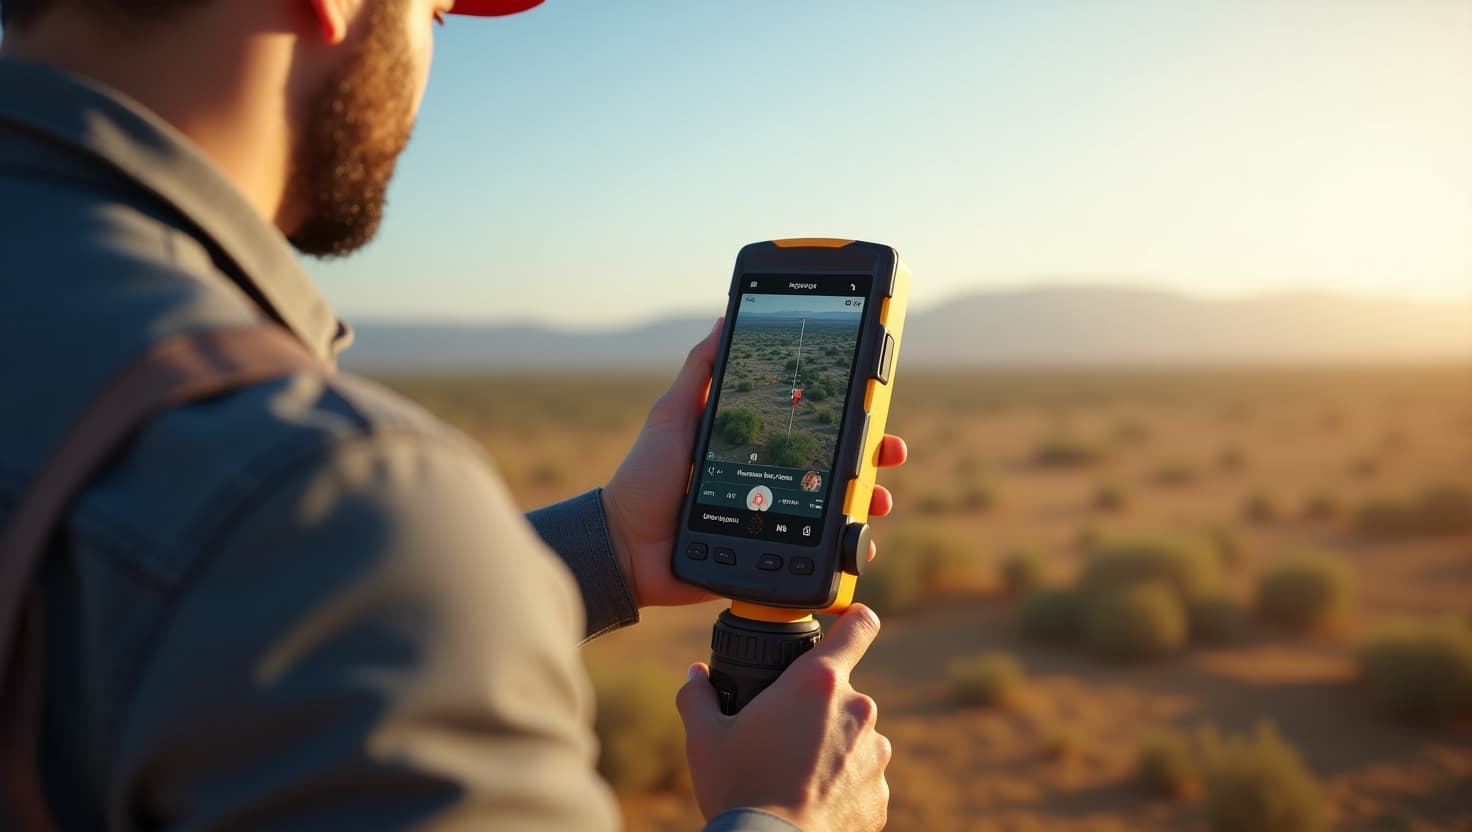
<point x="767" y="471"/>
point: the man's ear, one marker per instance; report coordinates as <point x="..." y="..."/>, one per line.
<point x="332" y="16"/>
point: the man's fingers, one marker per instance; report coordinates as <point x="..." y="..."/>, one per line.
<point x="845" y="642"/>
<point x="892" y="451"/>
<point x="686" y="397"/>
<point x="697" y="702"/>
<point x="881" y="503"/>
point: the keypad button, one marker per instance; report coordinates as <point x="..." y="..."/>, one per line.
<point x="696" y="551"/>
<point x="801" y="566"/>
<point x="769" y="563"/>
<point x="726" y="556"/>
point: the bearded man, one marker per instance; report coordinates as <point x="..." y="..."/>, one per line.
<point x="305" y="604"/>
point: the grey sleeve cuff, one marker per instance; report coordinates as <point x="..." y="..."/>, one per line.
<point x="576" y="530"/>
<point x="749" y="820"/>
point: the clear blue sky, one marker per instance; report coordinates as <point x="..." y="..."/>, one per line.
<point x="598" y="162"/>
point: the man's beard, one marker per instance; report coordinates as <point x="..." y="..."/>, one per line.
<point x="354" y="128"/>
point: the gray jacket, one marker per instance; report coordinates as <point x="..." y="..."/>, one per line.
<point x="304" y="605"/>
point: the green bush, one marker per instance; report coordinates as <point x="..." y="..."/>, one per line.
<point x="1320" y="506"/>
<point x="1065" y="744"/>
<point x="1167" y="765"/>
<point x="641" y="742"/>
<point x="1419" y="670"/>
<point x="914" y="564"/>
<point x="791" y="450"/>
<point x="1183" y="562"/>
<point x="1111" y="496"/>
<point x="1132" y="431"/>
<point x="740" y="425"/>
<point x="1307" y="591"/>
<point x="1438" y="510"/>
<point x="1175" y="474"/>
<point x="1023" y="571"/>
<point x="992" y="679"/>
<point x="1260" y="784"/>
<point x="1231" y="552"/>
<point x="979" y="494"/>
<point x="1260" y="508"/>
<point x="745" y="387"/>
<point x="1064" y="451"/>
<point x="1049" y="614"/>
<point x="1231" y="458"/>
<point x="1216" y="620"/>
<point x="827" y="416"/>
<point x="1135" y="622"/>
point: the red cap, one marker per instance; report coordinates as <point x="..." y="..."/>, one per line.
<point x="492" y="8"/>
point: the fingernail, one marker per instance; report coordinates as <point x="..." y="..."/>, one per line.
<point x="690" y="674"/>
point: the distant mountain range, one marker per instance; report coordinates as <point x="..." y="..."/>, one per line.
<point x="1027" y="327"/>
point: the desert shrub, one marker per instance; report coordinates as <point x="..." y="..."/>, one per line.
<point x="1167" y="764"/>
<point x="1260" y="784"/>
<point x="1260" y="507"/>
<point x="1440" y="509"/>
<point x="1306" y="591"/>
<point x="1419" y="670"/>
<point x="1049" y="614"/>
<point x="1065" y="744"/>
<point x="817" y="394"/>
<point x="545" y="474"/>
<point x="1023" y="571"/>
<point x="1064" y="451"/>
<point x="1132" y="431"/>
<point x="1226" y="541"/>
<point x="792" y="450"/>
<point x="1231" y="458"/>
<point x="1175" y="474"/>
<point x="992" y="679"/>
<point x="1216" y="620"/>
<point x="932" y="502"/>
<point x="1089" y="538"/>
<point x="827" y="416"/>
<point x="641" y="743"/>
<point x="1182" y="562"/>
<point x="913" y="565"/>
<point x="740" y="425"/>
<point x="1111" y="496"/>
<point x="1135" y="622"/>
<point x="745" y="387"/>
<point x="978" y="494"/>
<point x="1320" y="506"/>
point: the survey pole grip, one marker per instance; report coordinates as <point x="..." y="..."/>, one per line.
<point x="748" y="655"/>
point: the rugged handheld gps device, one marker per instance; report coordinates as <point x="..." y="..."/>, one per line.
<point x="775" y="514"/>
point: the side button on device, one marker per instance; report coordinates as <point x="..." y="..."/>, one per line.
<point x="726" y="556"/>
<point x="854" y="550"/>
<point x="696" y="551"/>
<point x="769" y="563"/>
<point x="886" y="359"/>
<point x="801" y="566"/>
<point x="863" y="443"/>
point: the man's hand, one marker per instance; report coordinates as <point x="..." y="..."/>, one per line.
<point x="642" y="501"/>
<point x="805" y="748"/>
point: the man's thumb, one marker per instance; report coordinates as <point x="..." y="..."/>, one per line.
<point x="849" y="637"/>
<point x="685" y="398"/>
<point x="697" y="701"/>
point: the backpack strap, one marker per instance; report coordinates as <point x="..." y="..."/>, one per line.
<point x="173" y="372"/>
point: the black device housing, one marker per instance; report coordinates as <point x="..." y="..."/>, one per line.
<point x="742" y="580"/>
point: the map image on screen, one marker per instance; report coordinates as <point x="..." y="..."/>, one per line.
<point x="781" y="401"/>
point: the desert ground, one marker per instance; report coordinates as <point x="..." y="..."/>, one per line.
<point x="1055" y="461"/>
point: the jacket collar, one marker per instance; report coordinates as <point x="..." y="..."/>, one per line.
<point x="113" y="129"/>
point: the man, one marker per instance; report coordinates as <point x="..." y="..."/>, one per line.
<point x="306" y="604"/>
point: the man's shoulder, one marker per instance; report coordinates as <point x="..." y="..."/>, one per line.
<point x="195" y="469"/>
